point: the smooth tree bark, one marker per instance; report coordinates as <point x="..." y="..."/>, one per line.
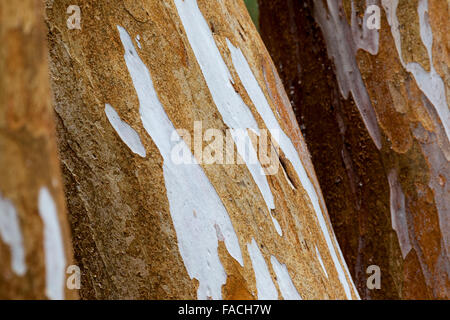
<point x="146" y="225"/>
<point x="35" y="245"/>
<point x="370" y="93"/>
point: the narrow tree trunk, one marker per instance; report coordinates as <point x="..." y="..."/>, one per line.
<point x="147" y="227"/>
<point x="373" y="107"/>
<point x="34" y="234"/>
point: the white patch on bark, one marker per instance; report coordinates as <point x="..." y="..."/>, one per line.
<point x="277" y="225"/>
<point x="433" y="87"/>
<point x="55" y="258"/>
<point x="321" y="262"/>
<point x="264" y="284"/>
<point x="259" y="100"/>
<point x="342" y="49"/>
<point x="439" y="183"/>
<point x="430" y="83"/>
<point x="235" y="113"/>
<point x="128" y="135"/>
<point x="398" y="213"/>
<point x="287" y="287"/>
<point x="197" y="211"/>
<point x="11" y="234"/>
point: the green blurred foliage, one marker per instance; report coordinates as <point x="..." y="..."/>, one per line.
<point x="253" y="9"/>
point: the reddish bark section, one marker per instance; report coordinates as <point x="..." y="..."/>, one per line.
<point x="352" y="172"/>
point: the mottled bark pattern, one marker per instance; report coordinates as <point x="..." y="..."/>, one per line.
<point x="368" y="184"/>
<point x="125" y="238"/>
<point x="30" y="181"/>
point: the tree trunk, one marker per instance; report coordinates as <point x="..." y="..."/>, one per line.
<point x="146" y="226"/>
<point x="373" y="107"/>
<point x="35" y="244"/>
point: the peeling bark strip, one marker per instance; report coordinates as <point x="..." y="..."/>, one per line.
<point x="35" y="241"/>
<point x="145" y="227"/>
<point x="382" y="152"/>
<point x="193" y="202"/>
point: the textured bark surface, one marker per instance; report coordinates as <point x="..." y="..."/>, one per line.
<point x="139" y="231"/>
<point x="34" y="234"/>
<point x="373" y="108"/>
